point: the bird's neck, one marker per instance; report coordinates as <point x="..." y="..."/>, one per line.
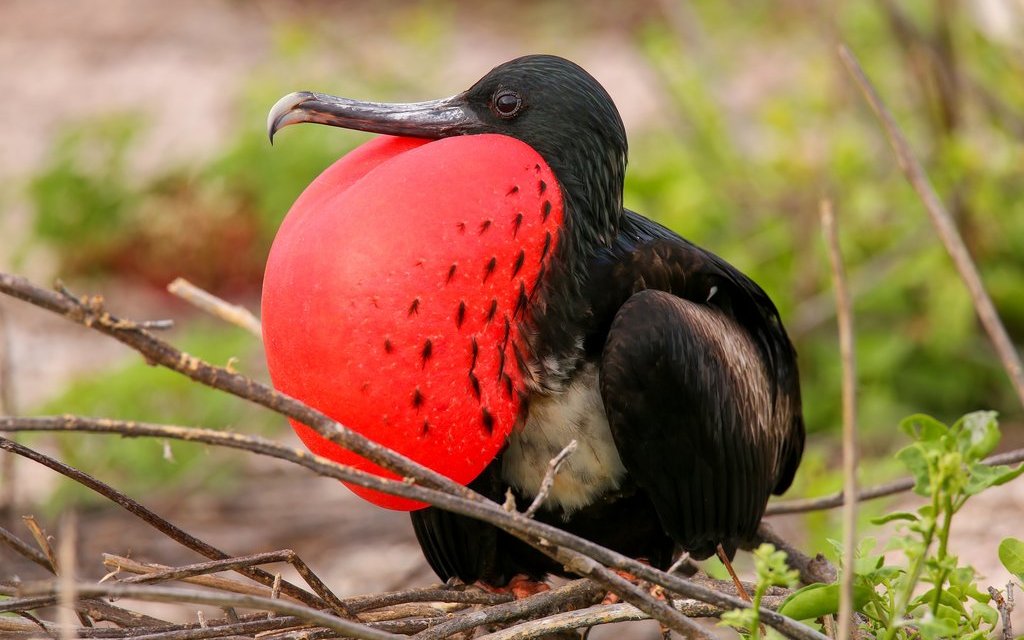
<point x="561" y="310"/>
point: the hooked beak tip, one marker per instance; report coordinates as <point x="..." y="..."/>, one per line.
<point x="285" y="112"/>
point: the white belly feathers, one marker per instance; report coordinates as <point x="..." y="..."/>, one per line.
<point x="551" y="423"/>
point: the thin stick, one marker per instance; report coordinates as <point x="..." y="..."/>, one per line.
<point x="844" y="315"/>
<point x="816" y="569"/>
<point x="151" y="518"/>
<point x="8" y="477"/>
<point x="836" y="499"/>
<point x="577" y="590"/>
<point x="231" y="313"/>
<point x="943" y="224"/>
<point x="178" y="595"/>
<point x="658" y="609"/>
<point x="549" y="478"/>
<point x="89" y="312"/>
<point x="229" y="564"/>
<point x="484" y="510"/>
<point x="66" y="595"/>
<point x="155" y="573"/>
<point x="604" y="614"/>
<point x="420" y="483"/>
<point x="23" y="548"/>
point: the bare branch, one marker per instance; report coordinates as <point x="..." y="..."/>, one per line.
<point x="658" y="609"/>
<point x="176" y="595"/>
<point x="844" y="315"/>
<point x="549" y="478"/>
<point x="578" y="591"/>
<point x="419" y="483"/>
<point x="943" y="224"/>
<point x="151" y="518"/>
<point x="154" y="574"/>
<point x="836" y="499"/>
<point x="485" y="510"/>
<point x="816" y="569"/>
<point x="605" y="614"/>
<point x="23" y="549"/>
<point x="231" y="313"/>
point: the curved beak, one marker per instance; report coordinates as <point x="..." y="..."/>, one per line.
<point x="431" y="119"/>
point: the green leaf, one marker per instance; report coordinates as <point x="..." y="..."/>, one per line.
<point x="978" y="434"/>
<point x="1006" y="473"/>
<point x="898" y="515"/>
<point x="982" y="476"/>
<point x="816" y="600"/>
<point x="922" y="427"/>
<point x="1011" y="554"/>
<point x="984" y="613"/>
<point x="934" y="628"/>
<point x="913" y="458"/>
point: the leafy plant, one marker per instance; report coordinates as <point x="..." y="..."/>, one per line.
<point x="772" y="571"/>
<point x="947" y="466"/>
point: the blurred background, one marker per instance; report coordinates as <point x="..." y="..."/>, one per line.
<point x="134" y="151"/>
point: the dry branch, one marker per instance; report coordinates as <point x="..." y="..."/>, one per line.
<point x="944" y="225"/>
<point x="159" y="523"/>
<point x="217" y="307"/>
<point x="154" y="593"/>
<point x="836" y="499"/>
<point x="419" y="483"/>
<point x="844" y="315"/>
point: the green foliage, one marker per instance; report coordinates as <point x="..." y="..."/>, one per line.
<point x="84" y="195"/>
<point x="772" y="571"/>
<point x="946" y="464"/>
<point x="1011" y="554"/>
<point x="741" y="173"/>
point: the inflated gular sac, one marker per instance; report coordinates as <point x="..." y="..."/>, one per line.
<point x="395" y="292"/>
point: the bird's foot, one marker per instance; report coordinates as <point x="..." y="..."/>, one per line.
<point x="520" y="586"/>
<point x="654" y="589"/>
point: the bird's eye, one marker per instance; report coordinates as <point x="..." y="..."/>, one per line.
<point x="507" y="104"/>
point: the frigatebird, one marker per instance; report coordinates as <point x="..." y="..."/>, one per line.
<point x="669" y="366"/>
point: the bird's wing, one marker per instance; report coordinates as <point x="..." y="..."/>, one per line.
<point x="700" y="386"/>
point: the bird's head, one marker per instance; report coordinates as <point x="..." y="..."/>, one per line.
<point x="548" y="102"/>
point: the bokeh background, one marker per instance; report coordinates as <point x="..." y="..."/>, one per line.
<point x="134" y="151"/>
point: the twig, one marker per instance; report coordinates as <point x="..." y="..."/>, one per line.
<point x="419" y="482"/>
<point x="578" y="590"/>
<point x="1005" y="607"/>
<point x="89" y="312"/>
<point x="155" y="573"/>
<point x="816" y="569"/>
<point x="8" y="477"/>
<point x="549" y="478"/>
<point x="844" y="315"/>
<point x="231" y="313"/>
<point x="836" y="499"/>
<point x="469" y="595"/>
<point x="23" y="549"/>
<point x="605" y="614"/>
<point x="658" y="609"/>
<point x="944" y="225"/>
<point x="44" y="543"/>
<point x="249" y="561"/>
<point x="177" y="595"/>
<point x="66" y="595"/>
<point x="485" y="510"/>
<point x="151" y="518"/>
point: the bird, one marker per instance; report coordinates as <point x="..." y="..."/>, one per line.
<point x="669" y="367"/>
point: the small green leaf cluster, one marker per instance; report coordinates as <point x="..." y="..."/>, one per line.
<point x="772" y="571"/>
<point x="931" y="595"/>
